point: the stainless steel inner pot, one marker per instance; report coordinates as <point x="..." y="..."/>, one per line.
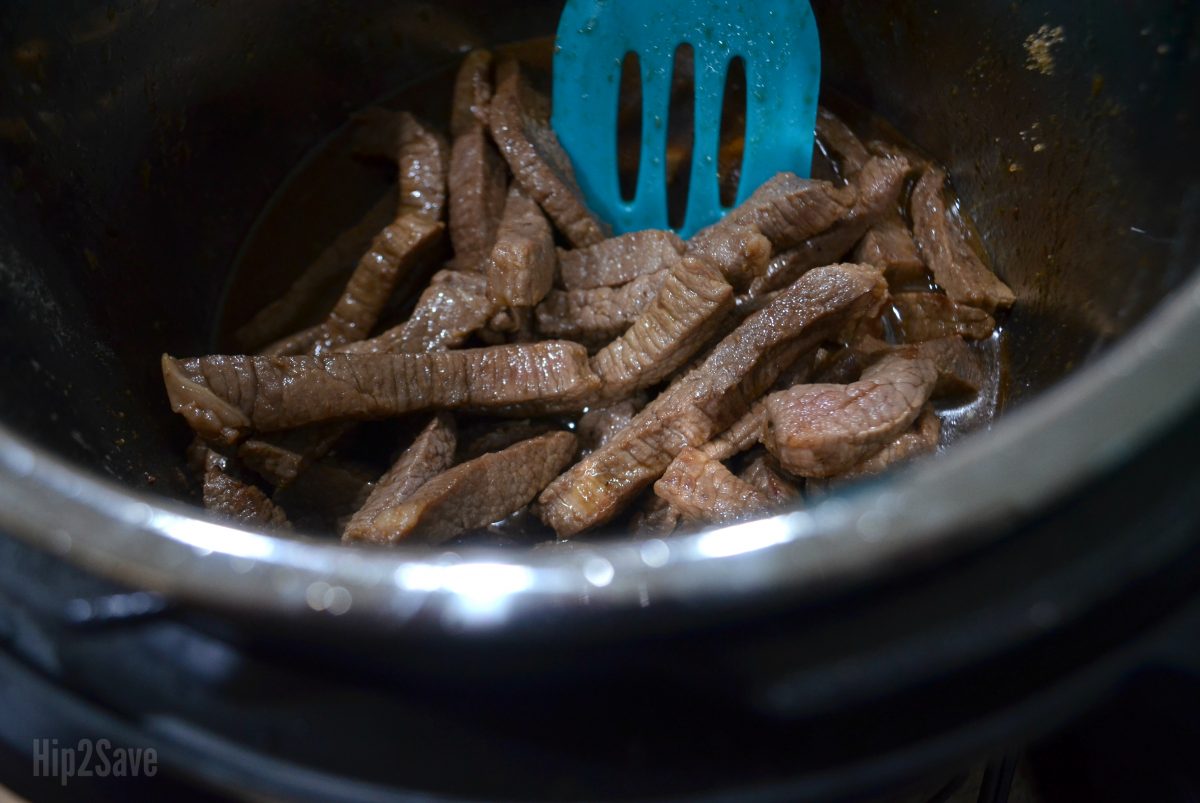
<point x="139" y="142"/>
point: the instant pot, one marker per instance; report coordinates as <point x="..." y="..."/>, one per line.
<point x="955" y="609"/>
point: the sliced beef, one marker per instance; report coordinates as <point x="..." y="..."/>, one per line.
<point x="745" y="433"/>
<point x="600" y="425"/>
<point x="712" y="397"/>
<point x="782" y="213"/>
<point x="431" y="453"/>
<point x="921" y="438"/>
<point x="837" y="138"/>
<point x="764" y="474"/>
<point x="399" y="248"/>
<point x="478" y="188"/>
<point x="454" y="306"/>
<point x="521" y="269"/>
<point x="223" y="397"/>
<point x="823" y="430"/>
<point x="476" y="493"/>
<point x="875" y="191"/>
<point x="231" y="497"/>
<point x="705" y="492"/>
<point x="472" y="92"/>
<point x="424" y="159"/>
<point x="960" y="372"/>
<point x="519" y="119"/>
<point x="955" y="266"/>
<point x="597" y="315"/>
<point x="929" y="316"/>
<point x="281" y="457"/>
<point x="497" y="436"/>
<point x="319" y="279"/>
<point x="618" y="260"/>
<point x="686" y="312"/>
<point x="889" y="245"/>
<point x="655" y="518"/>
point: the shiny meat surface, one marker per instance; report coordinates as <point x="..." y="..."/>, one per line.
<point x="224" y="397"/>
<point x="889" y="245"/>
<point x="423" y="160"/>
<point x="823" y="430"/>
<point x="231" y="497"/>
<point x="929" y="316"/>
<point x="472" y="92"/>
<point x="704" y="491"/>
<point x="618" y="260"/>
<point x="521" y="269"/>
<point x="597" y="315"/>
<point x="452" y="308"/>
<point x="430" y="454"/>
<point x="478" y="186"/>
<point x="921" y="438"/>
<point x="745" y="433"/>
<point x="475" y="493"/>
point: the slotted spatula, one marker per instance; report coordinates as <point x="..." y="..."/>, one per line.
<point x="777" y="39"/>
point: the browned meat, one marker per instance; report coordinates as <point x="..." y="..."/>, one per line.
<point x="478" y="187"/>
<point x="875" y="191"/>
<point x="712" y="397"/>
<point x="889" y="245"/>
<point x="763" y="473"/>
<point x="521" y="269"/>
<point x="620" y="259"/>
<point x="223" y="397"/>
<point x="454" y="306"/>
<point x="929" y="316"/>
<point x="687" y="311"/>
<point x="656" y="518"/>
<point x="424" y="160"/>
<point x="921" y="438"/>
<point x="519" y="121"/>
<point x="704" y="491"/>
<point x="597" y="315"/>
<point x="431" y="453"/>
<point x="472" y="92"/>
<point x="598" y="426"/>
<point x="784" y="212"/>
<point x="327" y="271"/>
<point x="233" y="498"/>
<point x="959" y="370"/>
<point x="281" y="457"/>
<point x="956" y="267"/>
<point x="837" y="138"/>
<point x="823" y="430"/>
<point x="397" y="249"/>
<point x="745" y="432"/>
<point x="503" y="435"/>
<point x="841" y="366"/>
<point x="476" y="493"/>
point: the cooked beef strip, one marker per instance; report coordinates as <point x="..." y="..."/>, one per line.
<point x="837" y="138"/>
<point x="501" y="435"/>
<point x="876" y="189"/>
<point x="784" y="212"/>
<point x="960" y="372"/>
<point x="223" y="397"/>
<point x="472" y="92"/>
<point x="889" y="245"/>
<point x="955" y="266"/>
<point x="597" y="315"/>
<point x="283" y="456"/>
<point x="424" y="159"/>
<point x="763" y="473"/>
<point x="454" y="306"/>
<point x="929" y="316"/>
<point x="921" y="438"/>
<point x="230" y="497"/>
<point x="478" y="188"/>
<point x="704" y="491"/>
<point x="712" y="397"/>
<point x="331" y="266"/>
<point x="519" y="121"/>
<point x="745" y="432"/>
<point x="430" y="454"/>
<point x="823" y="430"/>
<point x="400" y="247"/>
<point x="618" y="260"/>
<point x="521" y="269"/>
<point x="600" y="425"/>
<point x="476" y="493"/>
<point x="686" y="312"/>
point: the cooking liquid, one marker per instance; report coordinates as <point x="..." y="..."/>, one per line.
<point x="344" y="192"/>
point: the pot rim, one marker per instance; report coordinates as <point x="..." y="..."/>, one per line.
<point x="1039" y="452"/>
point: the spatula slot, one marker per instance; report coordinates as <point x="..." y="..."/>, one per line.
<point x="629" y="125"/>
<point x="733" y="131"/>
<point x="681" y="121"/>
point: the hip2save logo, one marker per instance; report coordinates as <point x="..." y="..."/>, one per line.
<point x="89" y="758"/>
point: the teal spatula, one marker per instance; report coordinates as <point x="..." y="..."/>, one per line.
<point x="777" y="39"/>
